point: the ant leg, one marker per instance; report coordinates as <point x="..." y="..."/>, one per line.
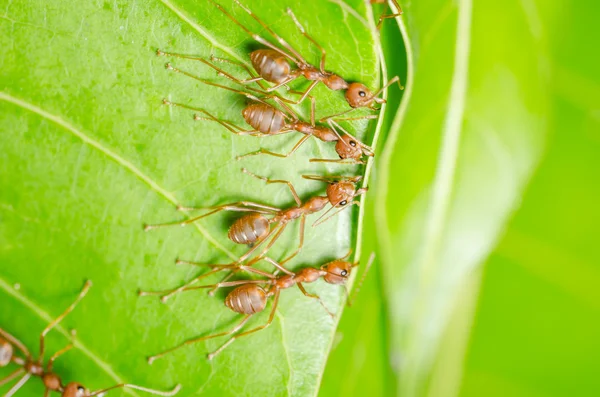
<point x="288" y="183"/>
<point x="276" y="236"/>
<point x="333" y="178"/>
<point x="229" y="125"/>
<point x="234" y="128"/>
<point x="304" y="94"/>
<point x="233" y="338"/>
<point x="215" y="269"/>
<point x="303" y="31"/>
<point x="11" y="376"/>
<point x="279" y="266"/>
<point x="338" y="161"/>
<point x="191" y="341"/>
<point x="239" y="207"/>
<point x="207" y="82"/>
<point x="300" y="244"/>
<point x="18" y="385"/>
<point x="136" y="387"/>
<point x="275" y="233"/>
<point x="69" y="309"/>
<point x="335" y="126"/>
<point x="317" y="297"/>
<point x="58" y="354"/>
<point x="365" y="117"/>
<point x="14" y="341"/>
<point x="189" y="287"/>
<point x="268" y="152"/>
<point x="323" y="219"/>
<point x="396" y="79"/>
<point x="355" y="290"/>
<point x="256" y="36"/>
<point x="252" y="79"/>
<point x="257" y="79"/>
<point x="397" y="14"/>
<point x="165" y="295"/>
<point x="276" y="36"/>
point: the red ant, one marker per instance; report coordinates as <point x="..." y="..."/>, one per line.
<point x="266" y="120"/>
<point x="250" y="296"/>
<point x="35" y="367"/>
<point x="272" y="66"/>
<point x="255" y="228"/>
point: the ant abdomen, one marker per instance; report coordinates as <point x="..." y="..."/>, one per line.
<point x="264" y="118"/>
<point x="6" y="352"/>
<point x="247" y="299"/>
<point x="249" y="229"/>
<point x="270" y="65"/>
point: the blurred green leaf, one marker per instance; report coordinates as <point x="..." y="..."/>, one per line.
<point x="492" y="162"/>
<point x="89" y="154"/>
<point x="535" y="331"/>
<point x="456" y="164"/>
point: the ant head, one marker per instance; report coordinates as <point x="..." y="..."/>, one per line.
<point x="6" y="352"/>
<point x="338" y="271"/>
<point x="341" y="193"/>
<point x="348" y="148"/>
<point x="335" y="82"/>
<point x="358" y="95"/>
<point x="75" y="389"/>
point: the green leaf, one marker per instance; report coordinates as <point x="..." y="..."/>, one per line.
<point x="89" y="154"/>
<point x="487" y="189"/>
<point x="470" y="138"/>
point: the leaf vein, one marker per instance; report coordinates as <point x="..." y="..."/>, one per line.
<point x="46" y="317"/>
<point x="202" y="32"/>
<point x="287" y="353"/>
<point x="115" y="157"/>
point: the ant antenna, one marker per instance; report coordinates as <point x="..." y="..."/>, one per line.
<point x="355" y="291"/>
<point x="321" y="220"/>
<point x="145" y="389"/>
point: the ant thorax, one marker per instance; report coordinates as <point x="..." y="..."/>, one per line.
<point x="325" y="134"/>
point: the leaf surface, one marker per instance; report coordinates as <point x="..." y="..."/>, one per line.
<point x="89" y="154"/>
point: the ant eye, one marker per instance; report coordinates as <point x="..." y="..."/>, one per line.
<point x="352" y="143"/>
<point x="344" y="273"/>
<point x="343" y="202"/>
<point x="362" y="94"/>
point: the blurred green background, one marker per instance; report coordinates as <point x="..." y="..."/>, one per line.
<point x="512" y="256"/>
<point x="483" y="205"/>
